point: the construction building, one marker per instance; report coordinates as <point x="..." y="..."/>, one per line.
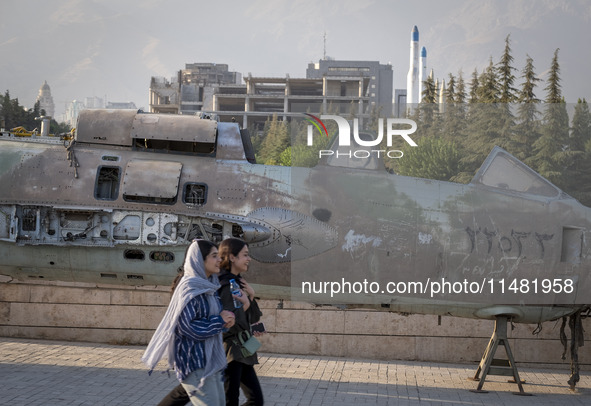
<point x="347" y="88"/>
<point x="191" y="90"/>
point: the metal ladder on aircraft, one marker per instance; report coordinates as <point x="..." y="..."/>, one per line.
<point x="492" y="366"/>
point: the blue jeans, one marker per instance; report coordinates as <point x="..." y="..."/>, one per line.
<point x="210" y="394"/>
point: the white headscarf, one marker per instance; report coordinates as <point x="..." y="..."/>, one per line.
<point x="192" y="284"/>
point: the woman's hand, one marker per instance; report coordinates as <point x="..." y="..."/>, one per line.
<point x="247" y="288"/>
<point x="228" y="318"/>
<point x="243" y="298"/>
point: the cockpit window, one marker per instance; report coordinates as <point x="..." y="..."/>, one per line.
<point x="503" y="171"/>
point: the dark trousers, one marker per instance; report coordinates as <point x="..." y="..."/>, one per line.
<point x="239" y="375"/>
<point x="176" y="397"/>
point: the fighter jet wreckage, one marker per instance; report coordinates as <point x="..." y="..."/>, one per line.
<point x="120" y="201"/>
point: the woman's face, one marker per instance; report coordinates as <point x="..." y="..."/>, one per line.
<point x="212" y="262"/>
<point x="240" y="262"/>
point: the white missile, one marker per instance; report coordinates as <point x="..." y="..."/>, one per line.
<point x="422" y="73"/>
<point x="412" y="79"/>
<point x="442" y="97"/>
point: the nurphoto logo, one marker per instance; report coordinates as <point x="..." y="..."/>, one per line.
<point x="344" y="138"/>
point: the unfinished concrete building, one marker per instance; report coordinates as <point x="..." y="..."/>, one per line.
<point x="253" y="103"/>
<point x="191" y="90"/>
<point x="347" y="88"/>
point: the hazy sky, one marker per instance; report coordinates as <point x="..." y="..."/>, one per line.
<point x="111" y="48"/>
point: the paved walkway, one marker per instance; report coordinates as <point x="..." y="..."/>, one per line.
<point x="48" y="373"/>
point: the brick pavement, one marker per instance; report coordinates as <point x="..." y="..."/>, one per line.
<point x="51" y="373"/>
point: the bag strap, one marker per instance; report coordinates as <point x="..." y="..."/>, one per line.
<point x="243" y="340"/>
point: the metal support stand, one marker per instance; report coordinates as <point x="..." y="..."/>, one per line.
<point x="491" y="366"/>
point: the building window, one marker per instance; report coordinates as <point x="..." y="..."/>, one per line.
<point x="107" y="183"/>
<point x="195" y="194"/>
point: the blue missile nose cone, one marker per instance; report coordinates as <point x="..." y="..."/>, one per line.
<point x="423" y="52"/>
<point x="415" y="34"/>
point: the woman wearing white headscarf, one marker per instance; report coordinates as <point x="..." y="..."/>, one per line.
<point x="190" y="331"/>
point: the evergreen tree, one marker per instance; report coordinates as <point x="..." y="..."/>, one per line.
<point x="13" y="115"/>
<point x="581" y="126"/>
<point x="434" y="158"/>
<point x="474" y="87"/>
<point x="578" y="174"/>
<point x="285" y="157"/>
<point x="528" y="125"/>
<point x="527" y="94"/>
<point x="490" y="123"/>
<point x="427" y="108"/>
<point x="429" y="95"/>
<point x="300" y="153"/>
<point x="550" y="149"/>
<point x="450" y="92"/>
<point x="554" y="94"/>
<point x="276" y="140"/>
<point x="454" y="117"/>
<point x="461" y="90"/>
<point x="459" y="111"/>
<point x="506" y="77"/>
<point x="488" y="87"/>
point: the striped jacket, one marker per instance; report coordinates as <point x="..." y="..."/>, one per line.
<point x="194" y="326"/>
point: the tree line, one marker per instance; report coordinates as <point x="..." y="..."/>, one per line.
<point x="13" y="115"/>
<point x="495" y="111"/>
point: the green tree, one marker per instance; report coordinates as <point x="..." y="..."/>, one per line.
<point x="426" y="120"/>
<point x="490" y="123"/>
<point x="578" y="174"/>
<point x="488" y="85"/>
<point x="450" y="91"/>
<point x="434" y="158"/>
<point x="12" y="114"/>
<point x="550" y="156"/>
<point x="460" y="95"/>
<point x="275" y="140"/>
<point x="429" y="95"/>
<point x="474" y="87"/>
<point x="454" y="117"/>
<point x="527" y="130"/>
<point x="581" y="126"/>
<point x="553" y="87"/>
<point x="285" y="157"/>
<point x="506" y="76"/>
<point x="300" y="153"/>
